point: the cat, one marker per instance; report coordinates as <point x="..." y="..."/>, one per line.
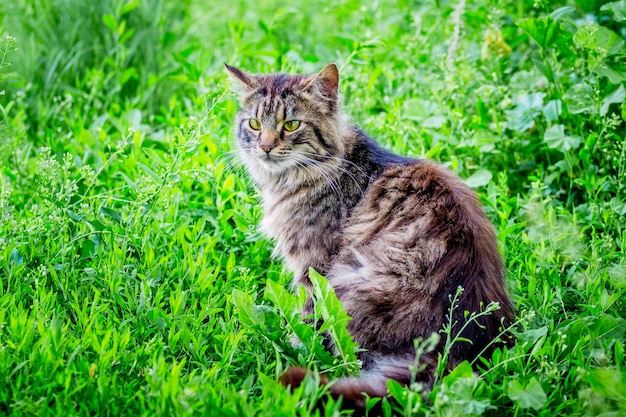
<point x="395" y="236"/>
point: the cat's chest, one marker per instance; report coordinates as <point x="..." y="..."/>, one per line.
<point x="305" y="226"/>
<point x="290" y="214"/>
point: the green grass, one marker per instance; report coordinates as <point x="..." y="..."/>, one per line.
<point x="133" y="280"/>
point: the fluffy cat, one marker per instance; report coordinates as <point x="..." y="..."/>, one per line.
<point x="395" y="236"/>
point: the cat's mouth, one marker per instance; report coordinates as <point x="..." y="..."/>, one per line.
<point x="270" y="158"/>
<point x="276" y="155"/>
<point x="274" y="162"/>
<point x="283" y="161"/>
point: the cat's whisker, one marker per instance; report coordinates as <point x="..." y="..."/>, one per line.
<point x="341" y="161"/>
<point x="236" y="169"/>
<point x="308" y="179"/>
<point x="336" y="158"/>
<point x="227" y="157"/>
<point x="332" y="178"/>
<point x="233" y="165"/>
<point x="316" y="172"/>
<point x="312" y="166"/>
<point x="336" y="168"/>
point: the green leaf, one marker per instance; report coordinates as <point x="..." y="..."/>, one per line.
<point x="281" y="298"/>
<point x="121" y="28"/>
<point x="74" y="216"/>
<point x="485" y="140"/>
<point x="553" y="110"/>
<point x="580" y="98"/>
<point x="97" y="225"/>
<point x="155" y="177"/>
<point x="404" y="397"/>
<point x="562" y="11"/>
<point x="542" y="30"/>
<point x="128" y="181"/>
<point x="459" y="392"/>
<point x="616" y="96"/>
<point x="592" y="36"/>
<point x="228" y="185"/>
<point x="129" y="7"/>
<point x="615" y="72"/>
<point x="129" y="73"/>
<point x="289" y="307"/>
<point x="112" y="214"/>
<point x="397" y="391"/>
<point x="335" y="318"/>
<point x="479" y="178"/>
<point x="618" y="8"/>
<point x="556" y="138"/>
<point x="618" y="206"/>
<point x="528" y="106"/>
<point x="463" y="370"/>
<point x="419" y="110"/>
<point x="16" y="257"/>
<point x="245" y="308"/>
<point x="604" y="327"/>
<point x="462" y="396"/>
<point x="531" y="336"/>
<point x="110" y="22"/>
<point x="610" y="41"/>
<point x="530" y="396"/>
<point x="155" y="156"/>
<point x="434" y="122"/>
<point x="544" y="69"/>
<point x="89" y="248"/>
<point x="610" y="383"/>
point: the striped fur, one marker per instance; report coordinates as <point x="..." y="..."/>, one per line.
<point x="395" y="236"/>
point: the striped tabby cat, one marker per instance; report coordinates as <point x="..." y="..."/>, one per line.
<point x="395" y="236"/>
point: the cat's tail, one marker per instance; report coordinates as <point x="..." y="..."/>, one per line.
<point x="373" y="380"/>
<point x="354" y="391"/>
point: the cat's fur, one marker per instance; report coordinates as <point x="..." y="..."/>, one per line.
<point x="395" y="236"/>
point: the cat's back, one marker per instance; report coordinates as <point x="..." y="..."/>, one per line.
<point x="416" y="235"/>
<point x="413" y="196"/>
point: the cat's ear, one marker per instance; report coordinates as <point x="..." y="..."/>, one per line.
<point x="241" y="80"/>
<point x="326" y="82"/>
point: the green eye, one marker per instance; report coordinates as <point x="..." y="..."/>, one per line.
<point x="291" y="125"/>
<point x="255" y="124"/>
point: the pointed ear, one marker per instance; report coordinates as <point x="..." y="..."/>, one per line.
<point x="326" y="82"/>
<point x="242" y="81"/>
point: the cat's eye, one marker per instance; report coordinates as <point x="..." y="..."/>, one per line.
<point x="291" y="125"/>
<point x="255" y="124"/>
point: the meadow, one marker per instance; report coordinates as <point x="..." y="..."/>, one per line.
<point x="133" y="280"/>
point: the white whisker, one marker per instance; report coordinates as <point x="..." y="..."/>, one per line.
<point x="314" y="167"/>
<point x="323" y="166"/>
<point x="336" y="158"/>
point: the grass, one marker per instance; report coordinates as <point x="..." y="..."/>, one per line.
<point x="132" y="276"/>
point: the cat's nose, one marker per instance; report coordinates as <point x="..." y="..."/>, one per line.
<point x="267" y="146"/>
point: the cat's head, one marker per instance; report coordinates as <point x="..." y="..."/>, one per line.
<point x="288" y="123"/>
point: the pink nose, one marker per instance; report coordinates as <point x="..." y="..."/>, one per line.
<point x="267" y="147"/>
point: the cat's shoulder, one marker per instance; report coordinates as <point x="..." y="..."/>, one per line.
<point x="397" y="175"/>
<point x="419" y="174"/>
